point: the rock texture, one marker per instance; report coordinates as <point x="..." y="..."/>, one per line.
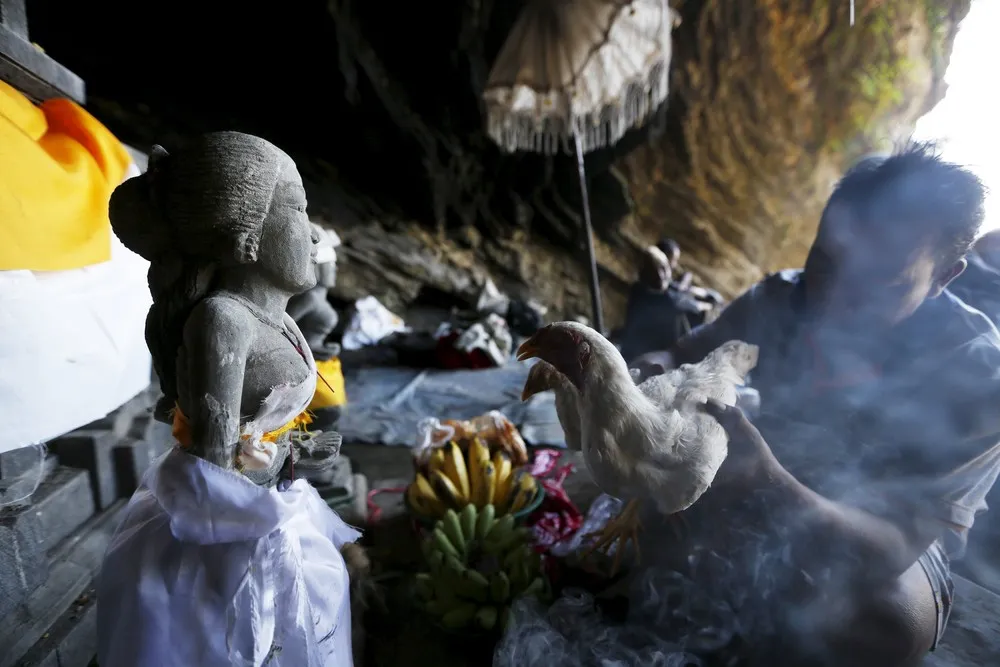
<point x="379" y="104"/>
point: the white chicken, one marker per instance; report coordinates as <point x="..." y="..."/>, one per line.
<point x="647" y="441"/>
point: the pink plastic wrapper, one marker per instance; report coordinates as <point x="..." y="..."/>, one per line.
<point x="557" y="518"/>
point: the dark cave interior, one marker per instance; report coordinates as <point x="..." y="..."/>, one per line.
<point x="279" y="71"/>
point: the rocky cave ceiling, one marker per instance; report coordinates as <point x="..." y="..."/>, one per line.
<point x="379" y="103"/>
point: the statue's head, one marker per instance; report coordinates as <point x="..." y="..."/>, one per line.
<point x="223" y="204"/>
<point x="229" y="200"/>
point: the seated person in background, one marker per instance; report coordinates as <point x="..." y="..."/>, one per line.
<point x="878" y="438"/>
<point x="706" y="298"/>
<point x="979" y="284"/>
<point x="658" y="308"/>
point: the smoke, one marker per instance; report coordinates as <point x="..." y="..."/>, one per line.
<point x="669" y="619"/>
<point x="714" y="614"/>
<point x="668" y="624"/>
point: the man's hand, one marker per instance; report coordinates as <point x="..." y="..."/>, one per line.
<point x="750" y="460"/>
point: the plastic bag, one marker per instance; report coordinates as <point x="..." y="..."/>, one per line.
<point x="370" y="324"/>
<point x="493" y="428"/>
<point x="208" y="568"/>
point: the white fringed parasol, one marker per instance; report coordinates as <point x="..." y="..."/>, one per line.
<point x="577" y="75"/>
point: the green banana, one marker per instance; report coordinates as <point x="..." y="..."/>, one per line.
<point x="444" y="589"/>
<point x="486" y="617"/>
<point x="513" y="539"/>
<point x="438" y="607"/>
<point x="424" y="585"/>
<point x="468" y="520"/>
<point x="475" y="585"/>
<point x="513" y="558"/>
<point x="460" y="616"/>
<point x="436" y="561"/>
<point x="500" y="528"/>
<point x="499" y="587"/>
<point x="499" y="535"/>
<point x="453" y="566"/>
<point x="443" y="544"/>
<point x="485" y="522"/>
<point x="453" y="530"/>
<point x="519" y="576"/>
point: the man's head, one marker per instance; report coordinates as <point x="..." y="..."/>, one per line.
<point x="894" y="233"/>
<point x="656" y="270"/>
<point x="671" y="249"/>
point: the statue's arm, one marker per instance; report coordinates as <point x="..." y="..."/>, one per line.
<point x="217" y="340"/>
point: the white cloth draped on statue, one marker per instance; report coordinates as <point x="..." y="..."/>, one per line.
<point x="208" y="568"/>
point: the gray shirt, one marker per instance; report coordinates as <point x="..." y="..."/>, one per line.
<point x="900" y="423"/>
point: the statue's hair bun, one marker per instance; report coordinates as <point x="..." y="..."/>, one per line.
<point x="135" y="220"/>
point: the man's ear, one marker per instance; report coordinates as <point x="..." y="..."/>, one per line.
<point x="953" y="272"/>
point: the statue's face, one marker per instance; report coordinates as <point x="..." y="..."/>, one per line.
<point x="288" y="242"/>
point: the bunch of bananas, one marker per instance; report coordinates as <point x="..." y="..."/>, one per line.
<point x="478" y="565"/>
<point x="453" y="478"/>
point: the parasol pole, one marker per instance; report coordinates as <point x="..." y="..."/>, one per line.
<point x="595" y="286"/>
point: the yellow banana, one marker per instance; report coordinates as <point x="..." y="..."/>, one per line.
<point x="489" y="484"/>
<point x="524" y="493"/>
<point x="446" y="489"/>
<point x="478" y="453"/>
<point x="422" y="496"/>
<point x="454" y="467"/>
<point x="503" y="467"/>
<point x="436" y="461"/>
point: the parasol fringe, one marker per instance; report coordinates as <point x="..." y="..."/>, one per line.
<point x="525" y="131"/>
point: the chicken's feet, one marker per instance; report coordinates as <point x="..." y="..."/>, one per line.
<point x="619" y="531"/>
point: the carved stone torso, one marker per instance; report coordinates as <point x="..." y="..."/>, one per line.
<point x="272" y="358"/>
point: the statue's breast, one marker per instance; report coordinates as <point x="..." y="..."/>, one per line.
<point x="272" y="361"/>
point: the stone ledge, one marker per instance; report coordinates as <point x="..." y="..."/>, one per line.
<point x="75" y="563"/>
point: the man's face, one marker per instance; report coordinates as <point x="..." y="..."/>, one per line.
<point x="863" y="276"/>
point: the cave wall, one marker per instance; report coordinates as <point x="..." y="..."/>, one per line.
<point x="379" y="104"/>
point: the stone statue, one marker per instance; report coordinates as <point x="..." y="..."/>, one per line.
<point x="311" y="309"/>
<point x="221" y="559"/>
<point x="224" y="226"/>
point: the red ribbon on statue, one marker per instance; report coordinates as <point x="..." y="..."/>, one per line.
<point x="557" y="518"/>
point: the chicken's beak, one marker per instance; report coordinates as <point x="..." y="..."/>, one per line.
<point x="537" y="382"/>
<point x="529" y="349"/>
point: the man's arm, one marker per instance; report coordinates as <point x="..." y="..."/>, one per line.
<point x="882" y="548"/>
<point x="815" y="527"/>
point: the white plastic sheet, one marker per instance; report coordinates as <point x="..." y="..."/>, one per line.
<point x="72" y="345"/>
<point x="208" y="568"/>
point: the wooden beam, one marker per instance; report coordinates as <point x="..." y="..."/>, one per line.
<point x="14" y="17"/>
<point x="26" y="67"/>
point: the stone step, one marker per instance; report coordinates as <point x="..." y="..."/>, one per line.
<point x="72" y="639"/>
<point x="93" y="451"/>
<point x="61" y="504"/>
<point x="74" y="564"/>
